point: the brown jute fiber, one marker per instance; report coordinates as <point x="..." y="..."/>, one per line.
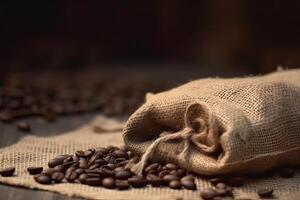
<point x="33" y="150"/>
<point x="217" y="126"/>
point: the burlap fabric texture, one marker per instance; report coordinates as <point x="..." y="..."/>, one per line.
<point x="216" y="126"/>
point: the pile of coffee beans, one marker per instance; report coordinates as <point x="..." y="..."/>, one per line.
<point x="110" y="168"/>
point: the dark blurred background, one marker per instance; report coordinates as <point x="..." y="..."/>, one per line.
<point x="246" y="36"/>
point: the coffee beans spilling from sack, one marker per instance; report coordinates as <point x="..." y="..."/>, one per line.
<point x="110" y="168"/>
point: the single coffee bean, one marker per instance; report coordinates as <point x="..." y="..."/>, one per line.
<point x="69" y="164"/>
<point x="68" y="159"/>
<point x="23" y="126"/>
<point x="43" y="179"/>
<point x="120" y="154"/>
<point x="188" y="184"/>
<point x="94" y="166"/>
<point x="60" y="168"/>
<point x="95" y="157"/>
<point x="151" y="167"/>
<point x="79" y="153"/>
<point x="7" y="171"/>
<point x="70" y="176"/>
<point x="111" y="166"/>
<point x="122" y="185"/>
<point x="152" y="171"/>
<point x="88" y="153"/>
<point x="265" y="193"/>
<point x="94" y="181"/>
<point x="170" y="177"/>
<point x="171" y="166"/>
<point x="75" y="158"/>
<point x="181" y="172"/>
<point x="163" y="173"/>
<point x="215" y="181"/>
<point x="54" y="162"/>
<point x="57" y="177"/>
<point x="137" y="181"/>
<point x="221" y="185"/>
<point x="175" y="184"/>
<point x="123" y="175"/>
<point x="34" y="170"/>
<point x="188" y="177"/>
<point x="287" y="172"/>
<point x="82" y="178"/>
<point x="208" y="194"/>
<point x="108" y="183"/>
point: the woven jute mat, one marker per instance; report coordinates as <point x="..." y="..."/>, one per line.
<point x="33" y="150"/>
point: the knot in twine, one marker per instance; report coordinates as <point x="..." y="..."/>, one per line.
<point x="197" y="130"/>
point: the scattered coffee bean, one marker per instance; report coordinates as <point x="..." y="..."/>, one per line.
<point x="34" y="170"/>
<point x="57" y="177"/>
<point x="23" y="126"/>
<point x="287" y="172"/>
<point x="208" y="194"/>
<point x="123" y="175"/>
<point x="108" y="183"/>
<point x="54" y="162"/>
<point x="188" y="184"/>
<point x="7" y="171"/>
<point x="171" y="166"/>
<point x="43" y="179"/>
<point x="265" y="193"/>
<point x="94" y="181"/>
<point x="175" y="184"/>
<point x="137" y="181"/>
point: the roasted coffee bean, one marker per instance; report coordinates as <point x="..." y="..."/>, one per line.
<point x="88" y="153"/>
<point x="68" y="159"/>
<point x="171" y="166"/>
<point x="120" y="154"/>
<point x="43" y="179"/>
<point x="287" y="172"/>
<point x="137" y="181"/>
<point x="34" y="170"/>
<point x="95" y="157"/>
<point x="79" y="153"/>
<point x="221" y="185"/>
<point x="82" y="178"/>
<point x="102" y="150"/>
<point x="79" y="171"/>
<point x="54" y="162"/>
<point x="57" y="177"/>
<point x="170" y="177"/>
<point x="163" y="173"/>
<point x="23" y="126"/>
<point x="94" y="181"/>
<point x="94" y="175"/>
<point x="71" y="176"/>
<point x="48" y="171"/>
<point x="135" y="159"/>
<point x="108" y="183"/>
<point x="75" y="158"/>
<point x="122" y="175"/>
<point x="265" y="193"/>
<point x="119" y="160"/>
<point x="175" y="184"/>
<point x="122" y="185"/>
<point x="188" y="177"/>
<point x="60" y="168"/>
<point x="151" y="167"/>
<point x="70" y="163"/>
<point x="188" y="184"/>
<point x="110" y="159"/>
<point x="7" y="171"/>
<point x="208" y="194"/>
<point x="215" y="181"/>
<point x="181" y="172"/>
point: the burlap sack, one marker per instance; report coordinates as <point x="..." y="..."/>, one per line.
<point x="215" y="126"/>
